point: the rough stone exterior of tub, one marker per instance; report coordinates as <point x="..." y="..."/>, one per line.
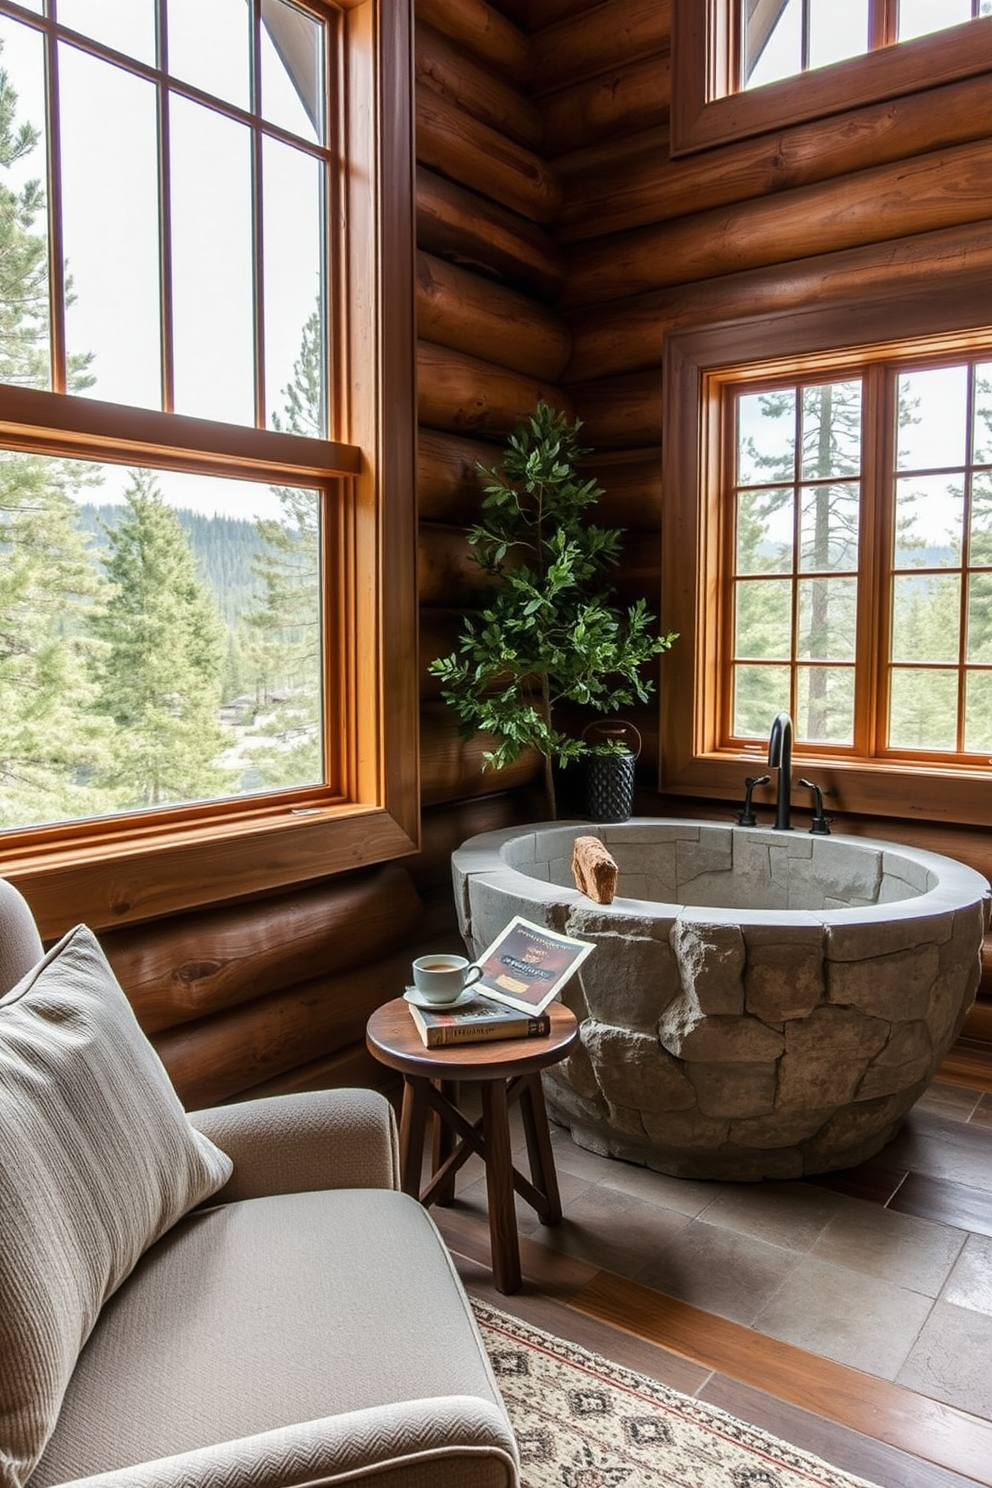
<point x="785" y="1036"/>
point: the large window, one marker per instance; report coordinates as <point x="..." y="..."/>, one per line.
<point x="858" y="517"/>
<point x="205" y="248"/>
<point x="827" y="551"/>
<point x="745" y="67"/>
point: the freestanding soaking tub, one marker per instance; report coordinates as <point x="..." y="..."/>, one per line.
<point x="760" y="1003"/>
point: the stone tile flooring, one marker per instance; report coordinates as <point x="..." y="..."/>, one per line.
<point x="905" y="1296"/>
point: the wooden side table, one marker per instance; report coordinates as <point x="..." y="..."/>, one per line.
<point x="507" y="1071"/>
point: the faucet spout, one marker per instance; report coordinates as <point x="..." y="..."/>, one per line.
<point x="780" y="759"/>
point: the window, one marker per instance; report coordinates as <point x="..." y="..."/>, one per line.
<point x="828" y="552"/>
<point x="783" y="38"/>
<point x="858" y="517"/>
<point x="203" y="604"/>
<point x="746" y="67"/>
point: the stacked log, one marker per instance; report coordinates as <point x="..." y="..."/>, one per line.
<point x="490" y="344"/>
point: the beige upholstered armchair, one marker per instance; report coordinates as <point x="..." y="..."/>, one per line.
<point x="236" y="1297"/>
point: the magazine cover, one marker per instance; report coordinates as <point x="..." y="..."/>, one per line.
<point x="527" y="965"/>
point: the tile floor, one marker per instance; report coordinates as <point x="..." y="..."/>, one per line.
<point x="905" y="1298"/>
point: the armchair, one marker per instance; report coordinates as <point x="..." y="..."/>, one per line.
<point x="238" y="1296"/>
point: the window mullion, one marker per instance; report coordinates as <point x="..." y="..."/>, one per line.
<point x="875" y="574"/>
<point x="56" y="249"/>
<point x="257" y="221"/>
<point x="883" y="23"/>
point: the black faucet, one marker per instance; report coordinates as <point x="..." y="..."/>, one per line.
<point x="780" y="759"/>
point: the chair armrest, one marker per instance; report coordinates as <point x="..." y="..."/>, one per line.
<point x="312" y="1140"/>
<point x="445" y="1442"/>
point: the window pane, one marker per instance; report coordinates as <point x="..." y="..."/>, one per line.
<point x="923" y="710"/>
<point x="980" y="617"/>
<point x="921" y="17"/>
<point x="831" y="430"/>
<point x="772" y="42"/>
<point x="929" y="522"/>
<point x="294" y="254"/>
<point x="829" y="527"/>
<point x="766" y="437"/>
<point x="759" y="693"/>
<point x="24" y="305"/>
<point x="978" y="713"/>
<point x="926" y="618"/>
<point x="825" y="705"/>
<point x="933" y="410"/>
<point x="126" y="25"/>
<point x="168" y="639"/>
<point x="111" y="233"/>
<point x="292" y="70"/>
<point x="763" y="618"/>
<point x="837" y="29"/>
<point x="981" y="519"/>
<point x="983" y="413"/>
<point x="828" y="614"/>
<point x="212" y="265"/>
<point x="764" y="531"/>
<point x="209" y="47"/>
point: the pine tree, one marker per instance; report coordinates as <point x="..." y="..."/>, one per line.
<point x="160" y="672"/>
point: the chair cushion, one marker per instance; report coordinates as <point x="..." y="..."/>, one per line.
<point x="97" y="1160"/>
<point x="256" y="1315"/>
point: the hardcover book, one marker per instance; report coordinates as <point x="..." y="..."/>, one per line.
<point x="476" y="1022"/>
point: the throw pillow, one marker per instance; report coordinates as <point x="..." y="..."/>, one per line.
<point x="97" y="1160"/>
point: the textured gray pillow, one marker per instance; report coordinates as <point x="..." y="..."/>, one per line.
<point x="97" y="1160"/>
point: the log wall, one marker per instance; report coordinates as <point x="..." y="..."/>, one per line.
<point x="861" y="201"/>
<point x="557" y="246"/>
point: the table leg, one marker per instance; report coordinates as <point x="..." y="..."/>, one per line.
<point x="413" y="1124"/>
<point x="443" y="1143"/>
<point x="499" y="1187"/>
<point x="539" y="1150"/>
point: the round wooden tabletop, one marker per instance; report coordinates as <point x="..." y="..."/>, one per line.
<point x="393" y="1039"/>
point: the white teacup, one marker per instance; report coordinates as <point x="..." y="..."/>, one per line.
<point x="443" y="978"/>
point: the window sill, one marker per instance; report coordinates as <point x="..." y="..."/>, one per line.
<point x="146" y="873"/>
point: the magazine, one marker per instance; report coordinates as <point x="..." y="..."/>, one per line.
<point x="527" y="965"/>
<point x="477" y="1021"/>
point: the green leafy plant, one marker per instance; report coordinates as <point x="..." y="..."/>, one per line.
<point x="551" y="633"/>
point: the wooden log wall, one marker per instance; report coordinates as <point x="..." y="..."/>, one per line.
<point x="862" y="200"/>
<point x="491" y="343"/>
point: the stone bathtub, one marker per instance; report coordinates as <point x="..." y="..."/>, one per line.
<point x="761" y="1004"/>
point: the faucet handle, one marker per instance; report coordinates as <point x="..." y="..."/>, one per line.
<point x="747" y="818"/>
<point x="819" y="825"/>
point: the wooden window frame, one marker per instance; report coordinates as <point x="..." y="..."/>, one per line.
<point x="697" y="364"/>
<point x="704" y="115"/>
<point x="152" y="864"/>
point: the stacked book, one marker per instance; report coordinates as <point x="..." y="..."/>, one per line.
<point x="476" y="1021"/>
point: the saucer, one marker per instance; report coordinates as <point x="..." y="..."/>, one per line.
<point x="414" y="995"/>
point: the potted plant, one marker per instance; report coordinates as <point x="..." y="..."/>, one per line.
<point x="550" y="632"/>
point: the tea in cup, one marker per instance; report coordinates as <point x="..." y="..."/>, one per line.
<point x="443" y="978"/>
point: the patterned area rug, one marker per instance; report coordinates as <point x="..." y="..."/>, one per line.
<point x="582" y="1422"/>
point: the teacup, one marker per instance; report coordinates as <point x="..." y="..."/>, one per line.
<point x="443" y="978"/>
